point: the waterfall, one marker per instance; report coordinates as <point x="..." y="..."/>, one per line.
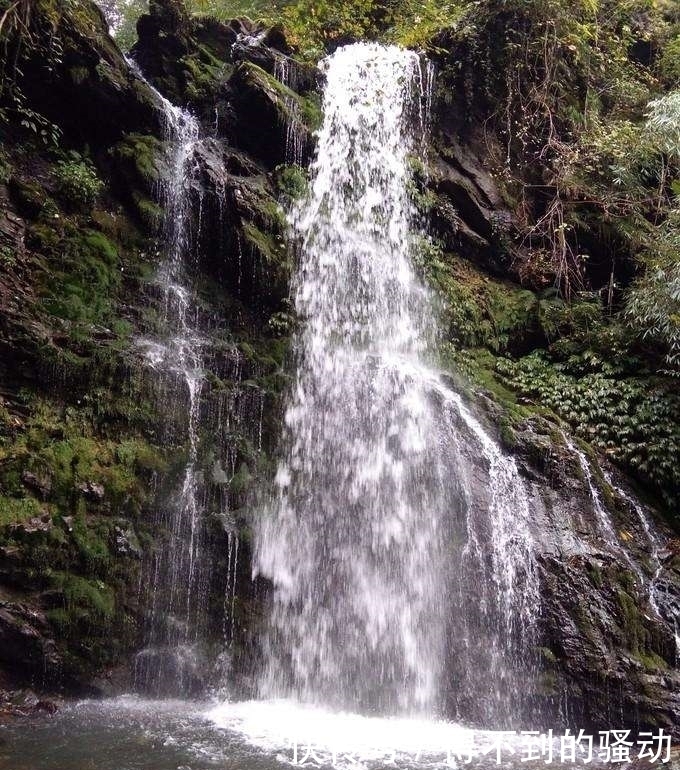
<point x="662" y="599"/>
<point x="396" y="534"/>
<point x="176" y="577"/>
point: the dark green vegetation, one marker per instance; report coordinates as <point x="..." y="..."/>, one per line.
<point x="580" y="146"/>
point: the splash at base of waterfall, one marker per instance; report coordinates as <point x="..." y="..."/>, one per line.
<point x="267" y="735"/>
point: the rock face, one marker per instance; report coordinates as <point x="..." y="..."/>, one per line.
<point x="25" y="644"/>
<point x="81" y="445"/>
<point x="81" y="452"/>
<point x="85" y="70"/>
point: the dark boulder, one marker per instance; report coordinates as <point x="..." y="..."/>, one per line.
<point x="25" y="645"/>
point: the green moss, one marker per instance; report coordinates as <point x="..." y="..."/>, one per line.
<point x="148" y="210"/>
<point x="595" y="574"/>
<point x="203" y="73"/>
<point x="291" y="182"/>
<point x="478" y="310"/>
<point x="91" y="540"/>
<point x="310" y="112"/>
<point x="271" y="248"/>
<point x="632" y="622"/>
<point x="144" y="154"/>
<point x="291" y="108"/>
<point x="86" y="602"/>
<point x="16" y="510"/>
<point x="83" y="279"/>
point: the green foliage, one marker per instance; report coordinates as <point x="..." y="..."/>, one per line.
<point x="669" y="62"/>
<point x="259" y="10"/>
<point x="581" y="319"/>
<point x="634" y="420"/>
<point x="620" y="157"/>
<point x="312" y="25"/>
<point x="78" y="181"/>
<point x="416" y="22"/>
<point x="663" y="123"/>
<point x="122" y="18"/>
<point x="653" y="302"/>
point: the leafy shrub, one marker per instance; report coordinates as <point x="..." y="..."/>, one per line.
<point x="663" y="123"/>
<point x="653" y="302"/>
<point x="669" y="62"/>
<point x="635" y="420"/>
<point x="78" y="181"/>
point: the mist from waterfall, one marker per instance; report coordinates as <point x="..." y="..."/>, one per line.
<point x="389" y="561"/>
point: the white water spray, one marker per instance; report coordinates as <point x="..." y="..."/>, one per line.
<point x="385" y="561"/>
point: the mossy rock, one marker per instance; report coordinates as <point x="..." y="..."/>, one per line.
<point x="479" y="310"/>
<point x="142" y="160"/>
<point x="268" y="113"/>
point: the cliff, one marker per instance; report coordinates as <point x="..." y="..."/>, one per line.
<point x="528" y="248"/>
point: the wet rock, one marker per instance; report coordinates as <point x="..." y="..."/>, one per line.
<point x="267" y="114"/>
<point x="240" y="212"/>
<point x="42" y="485"/>
<point x="90" y="75"/>
<point x="25" y="646"/>
<point x="36" y="524"/>
<point x="164" y="39"/>
<point x="26" y="702"/>
<point x="269" y="50"/>
<point x="469" y="212"/>
<point x="126" y="542"/>
<point x="92" y="491"/>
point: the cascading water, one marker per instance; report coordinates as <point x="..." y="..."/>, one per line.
<point x="387" y="559"/>
<point x="664" y="602"/>
<point x="177" y="576"/>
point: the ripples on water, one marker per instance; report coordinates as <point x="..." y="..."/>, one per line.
<point x="129" y="733"/>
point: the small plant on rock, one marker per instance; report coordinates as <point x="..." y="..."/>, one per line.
<point x="78" y="181"/>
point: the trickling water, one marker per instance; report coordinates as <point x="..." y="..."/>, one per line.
<point x="603" y="517"/>
<point x="375" y="534"/>
<point x="177" y="575"/>
<point x="294" y="146"/>
<point x="663" y="601"/>
<point x="230" y="592"/>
